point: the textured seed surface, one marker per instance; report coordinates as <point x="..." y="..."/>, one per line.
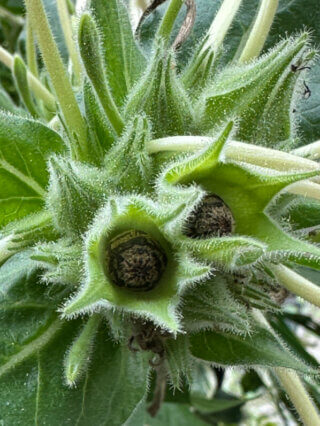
<point x="212" y="218"/>
<point x="136" y="261"/>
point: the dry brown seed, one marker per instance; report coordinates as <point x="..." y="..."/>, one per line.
<point x="136" y="261"/>
<point x="212" y="218"/>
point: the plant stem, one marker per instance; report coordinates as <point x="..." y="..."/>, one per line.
<point x="159" y="392"/>
<point x="168" y="20"/>
<point x="38" y="88"/>
<point x="66" y="98"/>
<point x="297" y="284"/>
<point x="251" y="154"/>
<point x="311" y="151"/>
<point x="260" y="30"/>
<point x="237" y="151"/>
<point x="221" y="24"/>
<point x="68" y="36"/>
<point x="292" y="385"/>
<point x="31" y="49"/>
<point x="299" y="396"/>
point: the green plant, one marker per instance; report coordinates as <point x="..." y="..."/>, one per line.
<point x="153" y="210"/>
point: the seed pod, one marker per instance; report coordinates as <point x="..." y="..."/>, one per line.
<point x="136" y="261"/>
<point x="212" y="218"/>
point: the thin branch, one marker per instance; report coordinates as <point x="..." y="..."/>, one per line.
<point x="187" y="25"/>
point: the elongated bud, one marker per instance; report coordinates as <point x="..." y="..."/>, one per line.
<point x="78" y="357"/>
<point x="89" y="44"/>
<point x="128" y="163"/>
<point x="21" y="79"/>
<point x="162" y="98"/>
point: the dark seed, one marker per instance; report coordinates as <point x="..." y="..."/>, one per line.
<point x="136" y="261"/>
<point x="212" y="218"/>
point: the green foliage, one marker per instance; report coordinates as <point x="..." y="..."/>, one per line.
<point x="25" y="147"/>
<point x="123" y="269"/>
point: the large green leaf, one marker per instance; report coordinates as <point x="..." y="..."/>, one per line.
<point x="260" y="348"/>
<point x="24" y="148"/>
<point x="35" y="389"/>
<point x="33" y="344"/>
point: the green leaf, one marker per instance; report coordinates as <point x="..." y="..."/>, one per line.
<point x="35" y="390"/>
<point x="25" y="146"/>
<point x="18" y="235"/>
<point x="214" y="307"/>
<point x="260" y="348"/>
<point x="33" y="344"/>
<point x="123" y="59"/>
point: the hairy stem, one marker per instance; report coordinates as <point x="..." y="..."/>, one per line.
<point x="299" y="396"/>
<point x="293" y="385"/>
<point x="297" y="284"/>
<point x="66" y="98"/>
<point x="68" y="36"/>
<point x="311" y="151"/>
<point x="37" y="87"/>
<point x="168" y="20"/>
<point x="31" y="50"/>
<point x="221" y="24"/>
<point x="251" y="154"/>
<point x="260" y="30"/>
<point x="238" y="151"/>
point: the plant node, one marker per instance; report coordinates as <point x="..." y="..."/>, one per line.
<point x="136" y="261"/>
<point x="212" y="218"/>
